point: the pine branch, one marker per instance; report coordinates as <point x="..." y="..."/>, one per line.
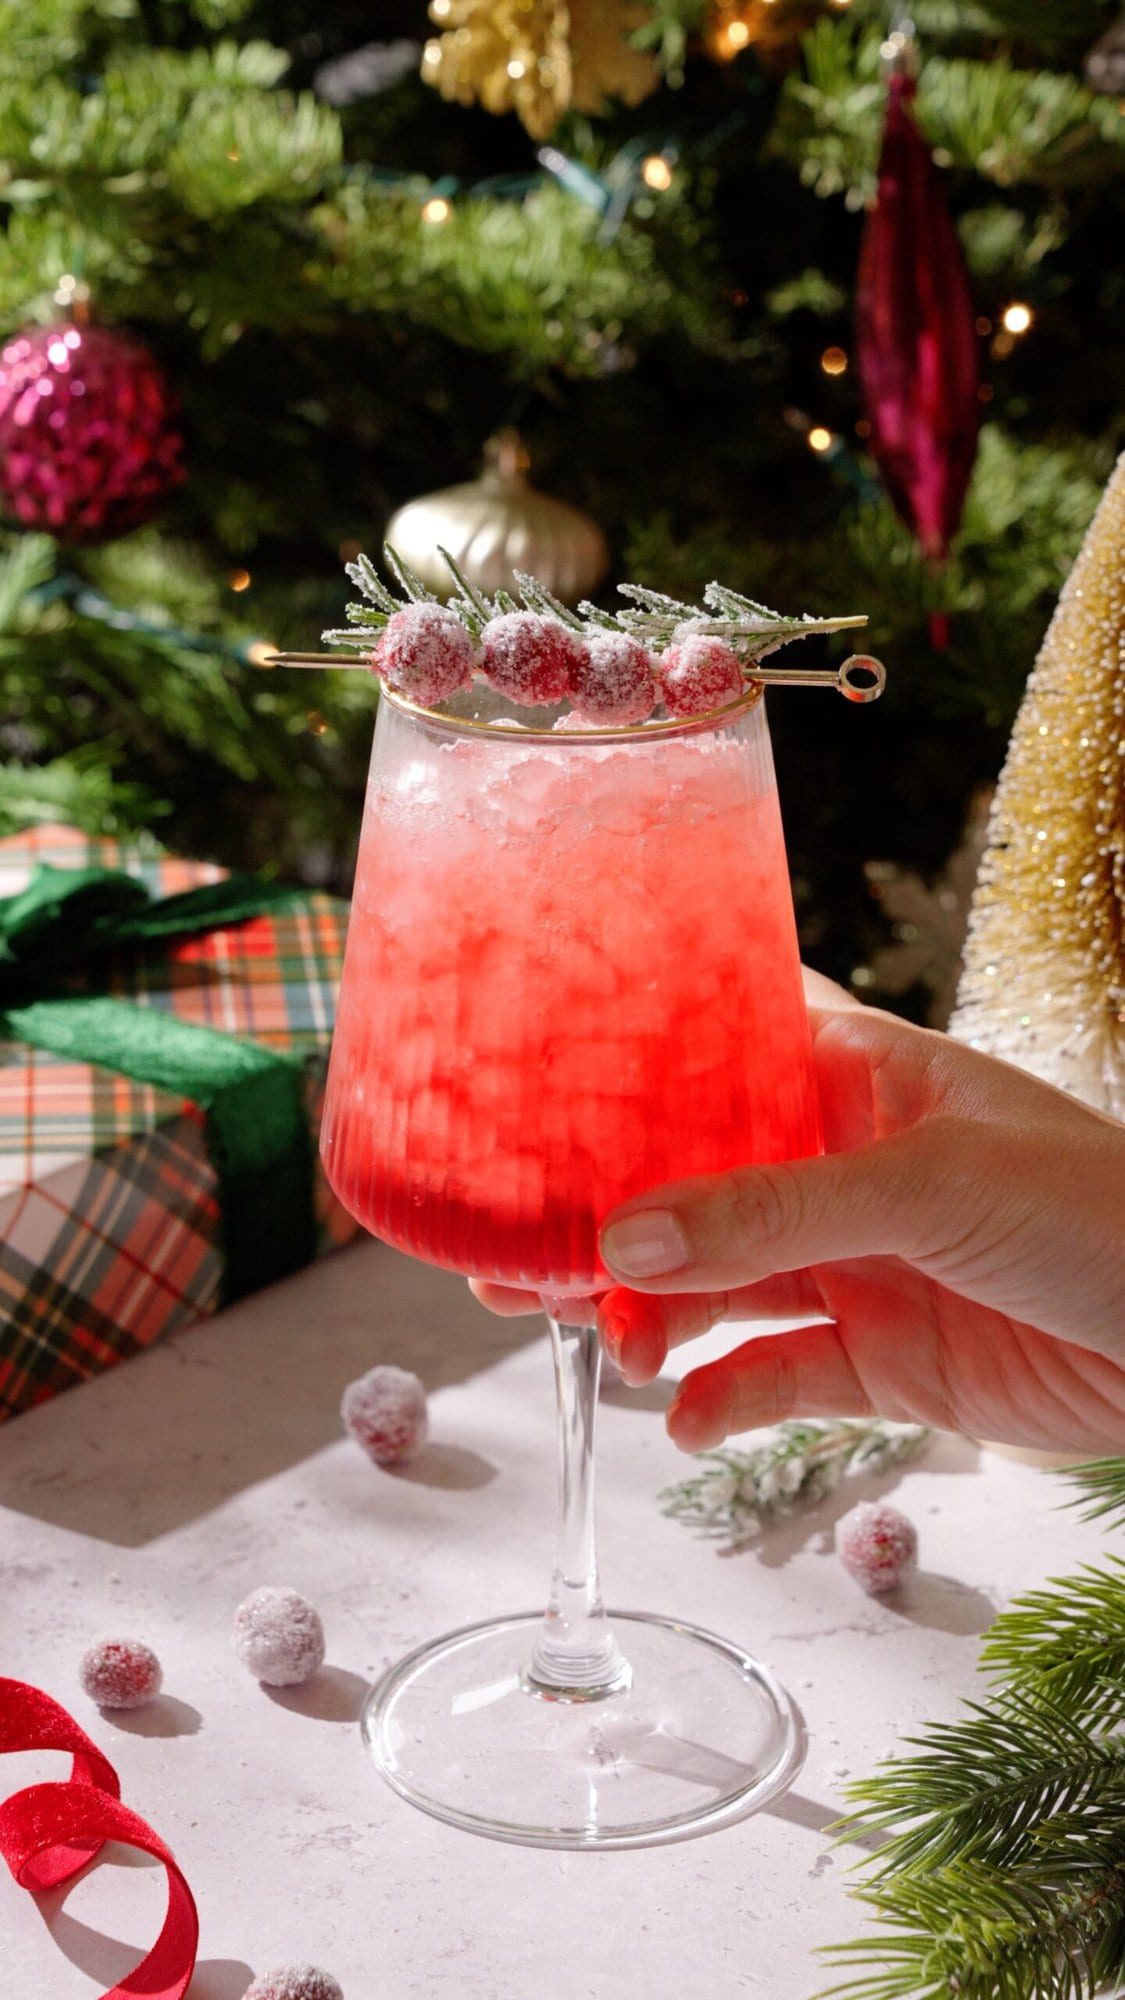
<point x="989" y="1786"/>
<point x="1101" y="1483"/>
<point x="735" y="1494"/>
<point x="973" y="1932"/>
<point x="1064" y="1641"/>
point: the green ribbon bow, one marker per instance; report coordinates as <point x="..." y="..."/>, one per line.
<point x="56" y="931"/>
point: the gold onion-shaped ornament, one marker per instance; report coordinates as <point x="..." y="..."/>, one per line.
<point x="539" y="58"/>
<point x="498" y="524"/>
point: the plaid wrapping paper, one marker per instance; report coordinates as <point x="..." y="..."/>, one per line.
<point x="109" y="1220"/>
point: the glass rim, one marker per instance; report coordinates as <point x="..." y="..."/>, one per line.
<point x="622" y="732"/>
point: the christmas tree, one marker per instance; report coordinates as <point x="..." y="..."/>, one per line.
<point x="634" y="234"/>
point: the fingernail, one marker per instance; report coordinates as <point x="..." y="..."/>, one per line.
<point x="613" y="1331"/>
<point x="649" y="1244"/>
<point x="691" y="1429"/>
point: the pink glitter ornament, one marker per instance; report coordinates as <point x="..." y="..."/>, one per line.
<point x="616" y="683"/>
<point x="295" y="1982"/>
<point x="699" y="673"/>
<point x="877" y="1545"/>
<point x="120" y="1673"/>
<point x="279" y="1636"/>
<point x="425" y="653"/>
<point x="531" y="659"/>
<point x="385" y="1412"/>
<point x="90" y="445"/>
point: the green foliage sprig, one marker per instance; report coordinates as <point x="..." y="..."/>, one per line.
<point x="751" y="628"/>
<point x="1000" y="1873"/>
<point x="735" y="1494"/>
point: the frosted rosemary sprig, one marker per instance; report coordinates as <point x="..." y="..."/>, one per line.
<point x="735" y="1494"/>
<point x="749" y="628"/>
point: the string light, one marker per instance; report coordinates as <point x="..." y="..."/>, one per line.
<point x="316" y="722"/>
<point x="834" y="361"/>
<point x="729" y="36"/>
<point x="440" y="10"/>
<point x="239" y="579"/>
<point x="262" y="653"/>
<point x="820" y="439"/>
<point x="656" y="172"/>
<point x="437" y="209"/>
<point x="1017" y="318"/>
<point x="234" y="156"/>
<point x="516" y="69"/>
<point x="431" y="54"/>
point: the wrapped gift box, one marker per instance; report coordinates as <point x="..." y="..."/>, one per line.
<point x="110" y="1226"/>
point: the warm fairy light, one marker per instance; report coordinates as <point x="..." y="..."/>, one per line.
<point x="316" y="723"/>
<point x="516" y="69"/>
<point x="656" y="172"/>
<point x="239" y="579"/>
<point x="262" y="653"/>
<point x="730" y="37"/>
<point x="234" y="156"/>
<point x="437" y="209"/>
<point x="841" y="4"/>
<point x="1017" y="318"/>
<point x="834" y="361"/>
<point x="440" y="10"/>
<point x="431" y="54"/>
<point x="819" y="439"/>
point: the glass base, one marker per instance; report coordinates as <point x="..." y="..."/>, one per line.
<point x="701" y="1736"/>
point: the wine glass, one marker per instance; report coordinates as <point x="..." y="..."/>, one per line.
<point x="571" y="975"/>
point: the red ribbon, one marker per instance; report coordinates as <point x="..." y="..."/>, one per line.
<point x="48" y="1832"/>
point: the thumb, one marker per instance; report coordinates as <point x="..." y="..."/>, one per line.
<point x="898" y="1197"/>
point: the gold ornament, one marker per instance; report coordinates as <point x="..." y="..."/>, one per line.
<point x="497" y="524"/>
<point x="1044" y="980"/>
<point x="538" y="58"/>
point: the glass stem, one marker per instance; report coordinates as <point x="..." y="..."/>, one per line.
<point x="576" y="1656"/>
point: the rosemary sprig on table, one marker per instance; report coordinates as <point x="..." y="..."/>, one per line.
<point x="735" y="1494"/>
<point x="751" y="629"/>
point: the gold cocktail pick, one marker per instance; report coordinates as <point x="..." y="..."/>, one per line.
<point x="860" y="678"/>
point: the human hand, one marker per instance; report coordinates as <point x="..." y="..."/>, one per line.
<point x="963" y="1238"/>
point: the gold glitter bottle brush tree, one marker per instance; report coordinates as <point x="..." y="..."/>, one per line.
<point x="1044" y="970"/>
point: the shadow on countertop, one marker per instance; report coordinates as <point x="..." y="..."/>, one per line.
<point x="171" y="1434"/>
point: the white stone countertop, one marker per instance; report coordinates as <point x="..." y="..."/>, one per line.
<point x="150" y="1501"/>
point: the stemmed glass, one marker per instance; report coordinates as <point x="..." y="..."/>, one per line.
<point x="571" y="975"/>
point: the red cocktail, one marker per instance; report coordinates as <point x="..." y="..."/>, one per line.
<point x="571" y="975"/>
